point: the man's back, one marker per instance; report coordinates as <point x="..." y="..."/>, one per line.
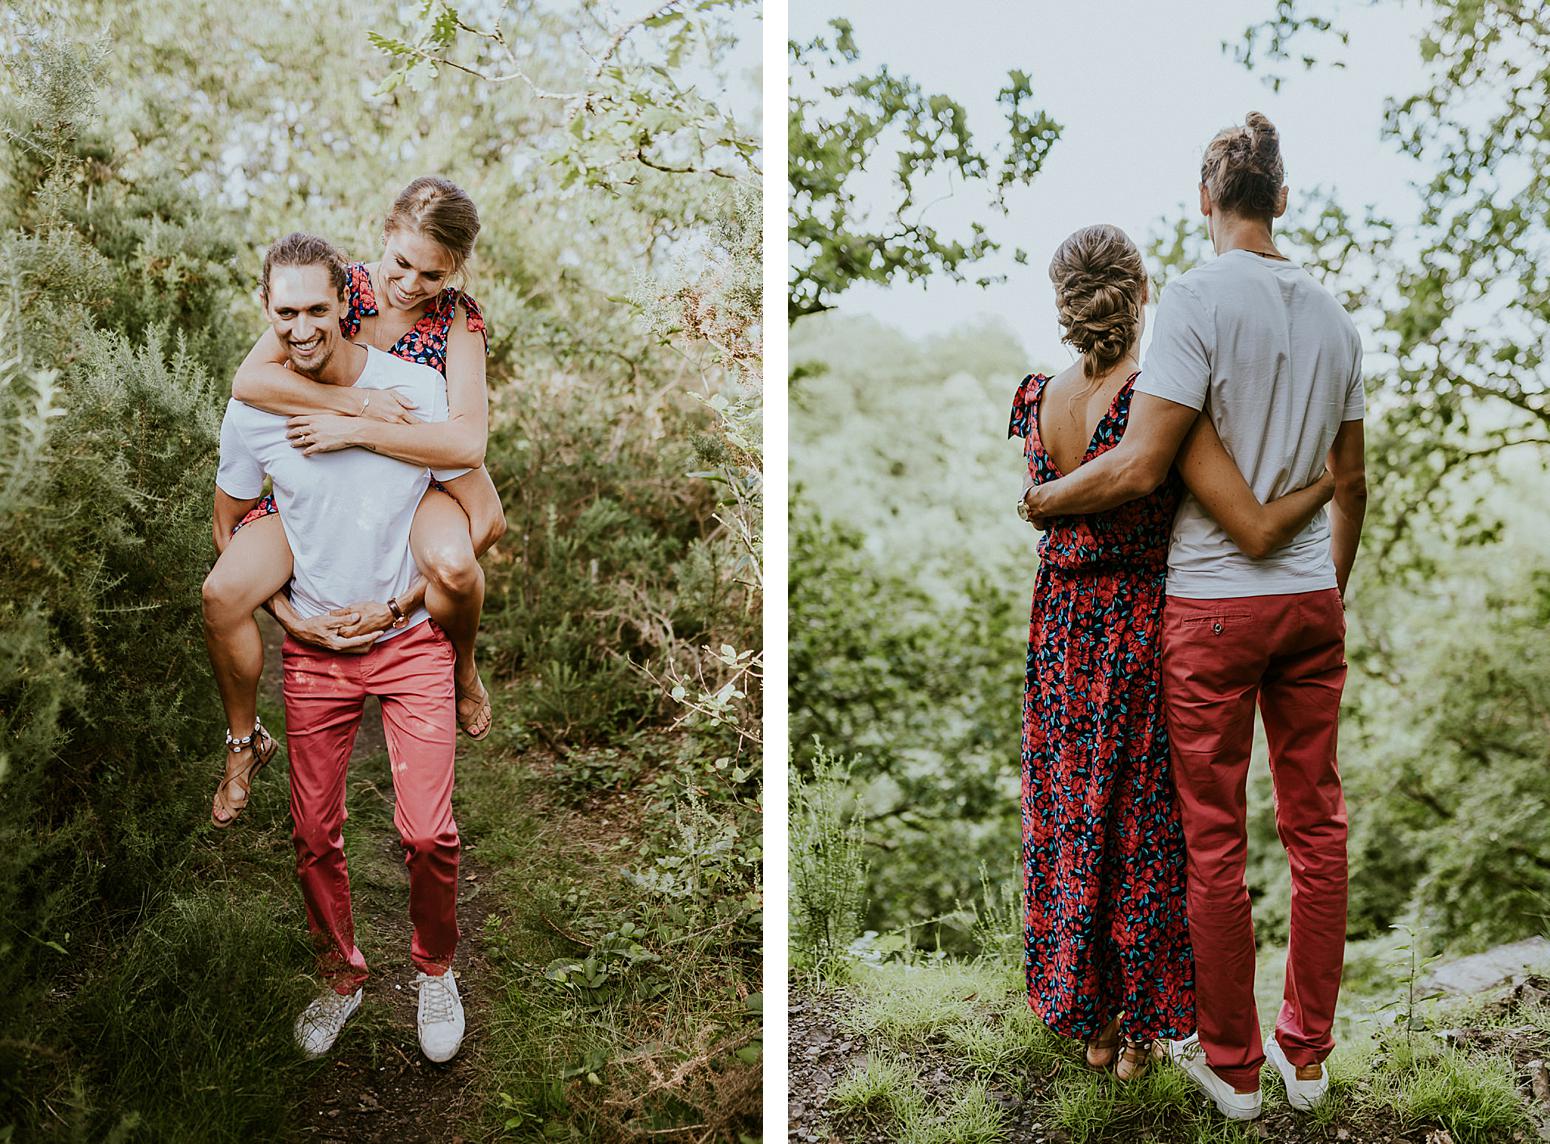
<point x="1283" y="363"/>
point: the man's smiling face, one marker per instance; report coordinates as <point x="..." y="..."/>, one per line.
<point x="303" y="308"/>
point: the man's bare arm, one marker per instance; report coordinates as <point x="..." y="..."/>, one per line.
<point x="1218" y="484"/>
<point x="1133" y="468"/>
<point x="1348" y="461"/>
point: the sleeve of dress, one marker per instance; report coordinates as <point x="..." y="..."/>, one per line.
<point x="475" y="319"/>
<point x="1022" y="407"/>
<point x="350" y="320"/>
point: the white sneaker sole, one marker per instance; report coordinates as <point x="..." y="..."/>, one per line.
<point x="1295" y="1096"/>
<point x="1208" y="1088"/>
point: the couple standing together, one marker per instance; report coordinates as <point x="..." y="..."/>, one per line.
<point x="1187" y="571"/>
<point x="364" y="406"/>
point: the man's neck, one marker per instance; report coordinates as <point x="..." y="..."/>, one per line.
<point x="1229" y="232"/>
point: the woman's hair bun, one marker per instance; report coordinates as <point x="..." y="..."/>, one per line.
<point x="1100" y="288"/>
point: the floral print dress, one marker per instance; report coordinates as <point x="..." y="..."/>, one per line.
<point x="1103" y="849"/>
<point x="424" y="342"/>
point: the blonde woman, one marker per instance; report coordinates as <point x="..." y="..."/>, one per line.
<point x="1108" y="955"/>
<point x="405" y="303"/>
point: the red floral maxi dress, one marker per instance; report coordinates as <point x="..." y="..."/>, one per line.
<point x="1103" y="850"/>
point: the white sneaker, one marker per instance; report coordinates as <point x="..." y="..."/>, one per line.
<point x="1303" y="1095"/>
<point x="1234" y="1105"/>
<point x="318" y="1026"/>
<point x="440" y="1017"/>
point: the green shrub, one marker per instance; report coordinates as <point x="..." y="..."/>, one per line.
<point x="110" y="723"/>
<point x="923" y="695"/>
<point x="827" y="866"/>
<point x="587" y="579"/>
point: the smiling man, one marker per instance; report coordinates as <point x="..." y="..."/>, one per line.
<point x="357" y="628"/>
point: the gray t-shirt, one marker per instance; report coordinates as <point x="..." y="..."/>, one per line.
<point x="1276" y="363"/>
<point x="346" y="513"/>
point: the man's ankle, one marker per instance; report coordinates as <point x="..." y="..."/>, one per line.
<point x="1310" y="1072"/>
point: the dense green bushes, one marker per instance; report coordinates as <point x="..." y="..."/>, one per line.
<point x="103" y="542"/>
<point x="130" y="231"/>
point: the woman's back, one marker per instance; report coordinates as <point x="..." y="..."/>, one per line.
<point x="1133" y="536"/>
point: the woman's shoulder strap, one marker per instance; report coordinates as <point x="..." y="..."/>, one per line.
<point x="1024" y="402"/>
<point x="451" y="298"/>
<point x="359" y="299"/>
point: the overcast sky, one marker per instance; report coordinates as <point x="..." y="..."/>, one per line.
<point x="1139" y="88"/>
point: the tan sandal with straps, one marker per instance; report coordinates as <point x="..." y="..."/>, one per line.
<point x="1100" y="1049"/>
<point x="1135" y="1058"/>
<point x="261" y="747"/>
<point x="482" y="716"/>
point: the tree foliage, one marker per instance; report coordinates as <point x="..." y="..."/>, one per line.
<point x="1458" y="300"/>
<point x="841" y="121"/>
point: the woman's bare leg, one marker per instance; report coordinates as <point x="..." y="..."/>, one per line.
<point x="255" y="565"/>
<point x="449" y="534"/>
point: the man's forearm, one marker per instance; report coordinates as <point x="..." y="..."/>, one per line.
<point x="1346" y="514"/>
<point x="279" y="606"/>
<point x="1102" y="483"/>
<point x="1133" y="468"/>
<point x="409" y="600"/>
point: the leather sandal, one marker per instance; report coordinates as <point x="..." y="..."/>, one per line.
<point x="482" y="715"/>
<point x="1135" y="1058"/>
<point x="1100" y="1049"/>
<point x="261" y="747"/>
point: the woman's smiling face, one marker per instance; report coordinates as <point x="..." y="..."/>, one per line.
<point x="413" y="268"/>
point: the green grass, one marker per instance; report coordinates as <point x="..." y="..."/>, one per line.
<point x="901" y="1002"/>
<point x="1007" y="1040"/>
<point x="883" y="1092"/>
<point x="970" y="1119"/>
<point x="1473" y="1096"/>
<point x="1093" y="1106"/>
<point x="887" y="1094"/>
<point x="913" y="1016"/>
<point x="176" y="1026"/>
<point x="180" y="1029"/>
<point x="621" y="1005"/>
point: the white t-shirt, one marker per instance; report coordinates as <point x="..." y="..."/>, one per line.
<point x="346" y="513"/>
<point x="1277" y="365"/>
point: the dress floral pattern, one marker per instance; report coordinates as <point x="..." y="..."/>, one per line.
<point x="424" y="342"/>
<point x="1103" y="849"/>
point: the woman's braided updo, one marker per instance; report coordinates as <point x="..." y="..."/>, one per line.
<point x="1100" y="287"/>
<point x="1242" y="169"/>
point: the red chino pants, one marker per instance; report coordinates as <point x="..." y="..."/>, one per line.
<point x="325" y="695"/>
<point x="1220" y="657"/>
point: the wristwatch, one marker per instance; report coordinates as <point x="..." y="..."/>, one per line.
<point x="1022" y="506"/>
<point x="399" y="619"/>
